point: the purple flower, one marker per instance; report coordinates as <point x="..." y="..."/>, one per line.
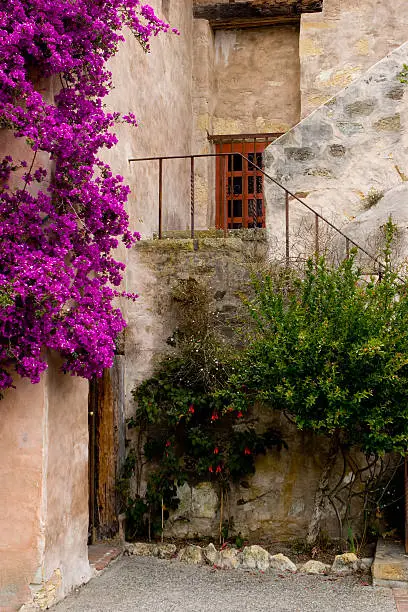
<point x="57" y="271"/>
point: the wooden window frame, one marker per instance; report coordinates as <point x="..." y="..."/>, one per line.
<point x="230" y="173"/>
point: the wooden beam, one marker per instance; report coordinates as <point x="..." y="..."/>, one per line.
<point x="259" y="12"/>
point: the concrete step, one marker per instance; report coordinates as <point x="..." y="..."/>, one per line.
<point x="390" y="567"/>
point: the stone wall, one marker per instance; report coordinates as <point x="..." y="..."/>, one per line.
<point x="43" y="489"/>
<point x="275" y="504"/>
<point x="277" y="501"/>
<point x="344" y="157"/>
<point x="154" y="269"/>
<point x="341" y="43"/>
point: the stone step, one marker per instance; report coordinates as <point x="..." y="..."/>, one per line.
<point x="390" y="567"/>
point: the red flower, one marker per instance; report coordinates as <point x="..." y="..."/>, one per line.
<point x="168" y="443"/>
<point x="247" y="451"/>
<point x="214" y="416"/>
<point x="216" y="450"/>
<point x="239" y="415"/>
<point x="218" y="470"/>
<point x="191" y="409"/>
<point x="210" y="469"/>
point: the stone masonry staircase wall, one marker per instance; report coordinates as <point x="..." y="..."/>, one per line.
<point x="348" y="160"/>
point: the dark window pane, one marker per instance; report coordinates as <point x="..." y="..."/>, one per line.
<point x="237" y="208"/>
<point x="259" y="208"/>
<point x="251" y="208"/>
<point x="234" y="163"/>
<point x="259" y="160"/>
<point x="259" y="184"/>
<point x="250" y="184"/>
<point x="237" y="185"/>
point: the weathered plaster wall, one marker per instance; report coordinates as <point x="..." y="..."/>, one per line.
<point x="66" y="524"/>
<point x="43" y="479"/>
<point x="232" y="95"/>
<point x="203" y="111"/>
<point x="257" y="80"/>
<point x="22" y="413"/>
<point x="339" y="44"/>
<point x="43" y="490"/>
<point x="157" y="87"/>
<point x="354" y="145"/>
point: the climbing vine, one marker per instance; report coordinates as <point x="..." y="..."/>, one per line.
<point x="62" y="209"/>
<point x="191" y="431"/>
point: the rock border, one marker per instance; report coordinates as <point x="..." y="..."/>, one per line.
<point x="249" y="558"/>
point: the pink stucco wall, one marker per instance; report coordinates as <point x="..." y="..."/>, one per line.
<point x="43" y="489"/>
<point x="22" y="423"/>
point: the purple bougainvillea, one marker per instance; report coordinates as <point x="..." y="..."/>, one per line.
<point x="60" y="224"/>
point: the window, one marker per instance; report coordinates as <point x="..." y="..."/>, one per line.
<point x="239" y="188"/>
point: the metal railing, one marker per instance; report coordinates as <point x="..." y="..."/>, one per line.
<point x="318" y="218"/>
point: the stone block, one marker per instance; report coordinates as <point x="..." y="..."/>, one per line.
<point x="255" y="557"/>
<point x="165" y="551"/>
<point x="281" y="563"/>
<point x="315" y="567"/>
<point x="229" y="558"/>
<point x="211" y="554"/>
<point x="345" y="564"/>
<point x="139" y="549"/>
<point x="192" y="555"/>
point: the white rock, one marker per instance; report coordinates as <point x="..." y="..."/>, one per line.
<point x="140" y="549"/>
<point x="229" y="558"/>
<point x="280" y="563"/>
<point x="365" y="564"/>
<point x="193" y="555"/>
<point x="144" y="549"/>
<point x="345" y="564"/>
<point x="211" y="555"/>
<point x="315" y="567"/>
<point x="255" y="557"/>
<point x="165" y="551"/>
<point x="128" y="548"/>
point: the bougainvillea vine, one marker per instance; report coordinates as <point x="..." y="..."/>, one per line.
<point x="62" y="209"/>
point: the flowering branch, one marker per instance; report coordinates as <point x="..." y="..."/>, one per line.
<point x="58" y="229"/>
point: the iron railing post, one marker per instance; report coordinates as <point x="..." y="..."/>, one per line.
<point x="192" y="194"/>
<point x="287" y="227"/>
<point x="160" y="198"/>
<point x="224" y="198"/>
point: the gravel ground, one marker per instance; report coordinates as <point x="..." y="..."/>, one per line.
<point x="153" y="585"/>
